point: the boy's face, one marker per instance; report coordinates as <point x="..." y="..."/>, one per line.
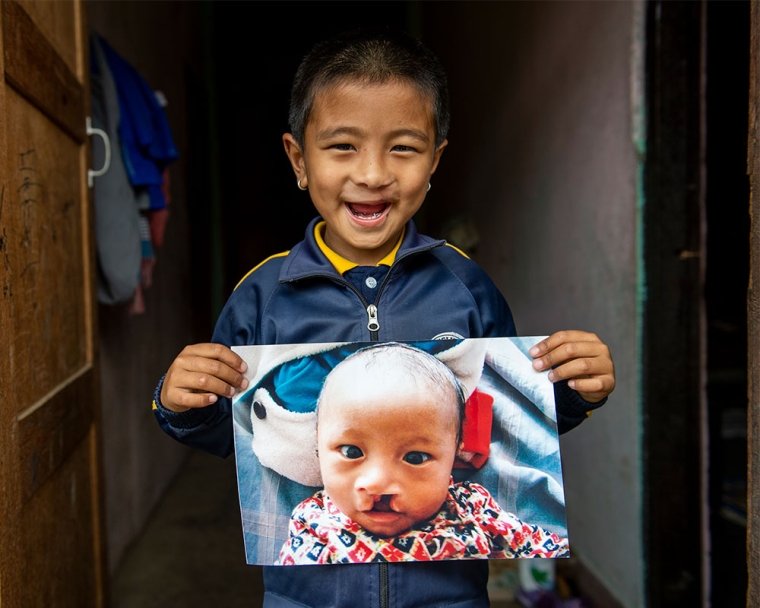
<point x="387" y="443"/>
<point x="368" y="155"/>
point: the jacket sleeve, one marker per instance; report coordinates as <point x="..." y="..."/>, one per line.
<point x="572" y="409"/>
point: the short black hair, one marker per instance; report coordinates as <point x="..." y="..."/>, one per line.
<point x="374" y="56"/>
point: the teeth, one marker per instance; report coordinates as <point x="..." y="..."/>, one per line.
<point x="367" y="216"/>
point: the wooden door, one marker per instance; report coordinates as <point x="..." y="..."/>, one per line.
<point x="51" y="547"/>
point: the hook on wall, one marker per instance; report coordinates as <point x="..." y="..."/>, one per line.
<point x="91" y="173"/>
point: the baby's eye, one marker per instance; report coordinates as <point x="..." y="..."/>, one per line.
<point x="416" y="457"/>
<point x="351" y="451"/>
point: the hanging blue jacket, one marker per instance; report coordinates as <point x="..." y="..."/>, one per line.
<point x="145" y="138"/>
<point x="431" y="291"/>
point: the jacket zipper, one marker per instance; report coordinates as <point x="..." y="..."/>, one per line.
<point x="385" y="596"/>
<point x="374" y="325"/>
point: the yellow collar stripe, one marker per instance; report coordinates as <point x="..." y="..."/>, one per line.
<point x="255" y="268"/>
<point x="342" y="265"/>
<point x="458" y="250"/>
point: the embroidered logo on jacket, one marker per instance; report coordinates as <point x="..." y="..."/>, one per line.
<point x="448" y="335"/>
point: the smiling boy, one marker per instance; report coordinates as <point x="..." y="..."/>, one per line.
<point x="372" y="150"/>
<point x="369" y="119"/>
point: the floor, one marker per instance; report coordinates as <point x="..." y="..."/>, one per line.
<point x="191" y="552"/>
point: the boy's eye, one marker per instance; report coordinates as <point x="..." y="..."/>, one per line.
<point x="342" y="147"/>
<point x="401" y="148"/>
<point x="351" y="451"/>
<point x="416" y="457"/>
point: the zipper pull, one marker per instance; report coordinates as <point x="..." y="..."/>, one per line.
<point x="373" y="324"/>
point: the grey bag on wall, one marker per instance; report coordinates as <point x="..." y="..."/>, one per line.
<point x="117" y="216"/>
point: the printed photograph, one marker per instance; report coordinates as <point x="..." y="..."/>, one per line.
<point x="398" y="451"/>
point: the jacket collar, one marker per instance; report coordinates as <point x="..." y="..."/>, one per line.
<point x="307" y="260"/>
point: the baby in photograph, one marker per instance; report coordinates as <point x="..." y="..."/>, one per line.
<point x="389" y="425"/>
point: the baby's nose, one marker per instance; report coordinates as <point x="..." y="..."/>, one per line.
<point x="377" y="481"/>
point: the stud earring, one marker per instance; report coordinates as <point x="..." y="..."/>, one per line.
<point x="300" y="187"/>
<point x="429" y="186"/>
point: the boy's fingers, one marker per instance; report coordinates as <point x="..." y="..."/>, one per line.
<point x="207" y="370"/>
<point x="582" y="368"/>
<point x="567" y="351"/>
<point x="593" y="389"/>
<point x="579" y="357"/>
<point x="200" y="373"/>
<point x="185" y="389"/>
<point x="573" y="335"/>
<point x="216" y="352"/>
<point x="184" y="400"/>
<point x="206" y="383"/>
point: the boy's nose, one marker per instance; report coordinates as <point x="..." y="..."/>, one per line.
<point x="371" y="171"/>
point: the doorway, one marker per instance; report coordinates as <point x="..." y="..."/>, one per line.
<point x="726" y="275"/>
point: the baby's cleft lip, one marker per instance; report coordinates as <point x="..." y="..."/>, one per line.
<point x="383" y="504"/>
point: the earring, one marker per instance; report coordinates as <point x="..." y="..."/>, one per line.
<point x="300" y="187"/>
<point x="429" y="186"/>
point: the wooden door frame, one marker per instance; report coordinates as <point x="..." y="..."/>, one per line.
<point x="753" y="320"/>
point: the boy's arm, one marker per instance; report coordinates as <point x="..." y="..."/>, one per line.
<point x="583" y="372"/>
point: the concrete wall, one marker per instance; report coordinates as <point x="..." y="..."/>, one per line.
<point x="160" y="39"/>
<point x="541" y="158"/>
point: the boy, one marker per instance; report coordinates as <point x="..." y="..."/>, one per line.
<point x="389" y="426"/>
<point x="369" y="118"/>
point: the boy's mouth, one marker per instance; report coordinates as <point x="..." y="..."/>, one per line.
<point x="367" y="211"/>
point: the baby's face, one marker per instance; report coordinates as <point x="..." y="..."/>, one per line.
<point x="369" y="152"/>
<point x="386" y="448"/>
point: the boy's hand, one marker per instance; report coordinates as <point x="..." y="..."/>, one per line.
<point x="582" y="358"/>
<point x="200" y="373"/>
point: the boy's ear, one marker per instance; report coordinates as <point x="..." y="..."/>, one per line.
<point x="295" y="155"/>
<point x="437" y="155"/>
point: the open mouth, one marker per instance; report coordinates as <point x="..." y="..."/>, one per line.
<point x="367" y="211"/>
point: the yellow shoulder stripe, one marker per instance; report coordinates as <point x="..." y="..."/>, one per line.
<point x="458" y="250"/>
<point x="155" y="407"/>
<point x="255" y="268"/>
